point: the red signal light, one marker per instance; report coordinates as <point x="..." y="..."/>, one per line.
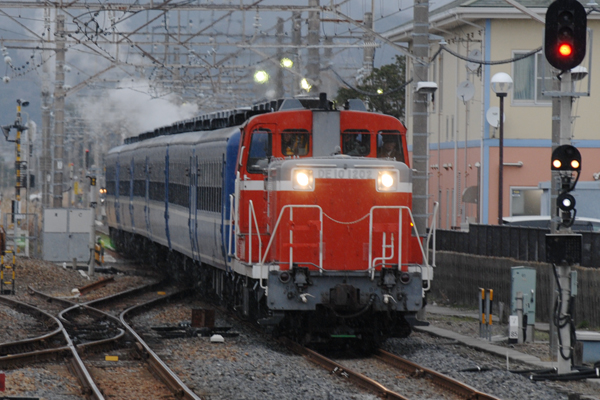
<point x="565" y="49"/>
<point x="565" y="34"/>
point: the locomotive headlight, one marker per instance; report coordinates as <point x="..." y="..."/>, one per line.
<point x="302" y="179"/>
<point x="387" y="181"/>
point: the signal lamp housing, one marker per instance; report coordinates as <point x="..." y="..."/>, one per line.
<point x="566" y="158"/>
<point x="565" y="34"/>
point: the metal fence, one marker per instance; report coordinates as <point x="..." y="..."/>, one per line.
<point x="520" y="243"/>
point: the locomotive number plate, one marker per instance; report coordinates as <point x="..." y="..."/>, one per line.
<point x="340" y="173"/>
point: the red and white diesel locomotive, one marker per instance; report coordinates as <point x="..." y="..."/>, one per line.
<point x="295" y="214"/>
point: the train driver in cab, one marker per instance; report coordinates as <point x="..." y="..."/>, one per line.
<point x="355" y="144"/>
<point x="294" y="144"/>
<point x="389" y="147"/>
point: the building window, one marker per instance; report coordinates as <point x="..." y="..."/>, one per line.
<point x="530" y="74"/>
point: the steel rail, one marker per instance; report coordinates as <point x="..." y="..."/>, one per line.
<point x="340" y="370"/>
<point x="31" y="310"/>
<point x="173" y="382"/>
<point x="90" y="388"/>
<point x="49" y="298"/>
<point x="34" y="356"/>
<point x="96" y="285"/>
<point x="168" y="377"/>
<point x="439" y="379"/>
<point x="118" y="296"/>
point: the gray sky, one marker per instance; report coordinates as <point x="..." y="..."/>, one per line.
<point x="138" y="87"/>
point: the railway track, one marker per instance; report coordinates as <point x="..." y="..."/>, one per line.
<point x="442" y="382"/>
<point x="445" y="386"/>
<point x="81" y="332"/>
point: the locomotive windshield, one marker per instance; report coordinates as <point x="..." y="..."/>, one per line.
<point x="389" y="145"/>
<point x="260" y="151"/>
<point x="356" y="143"/>
<point x="294" y="142"/>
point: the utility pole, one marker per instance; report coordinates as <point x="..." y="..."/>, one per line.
<point x="59" y="111"/>
<point x="368" y="52"/>
<point x="314" y="61"/>
<point x="279" y="87"/>
<point x="419" y="115"/>
<point x="45" y="160"/>
<point x="296" y="40"/>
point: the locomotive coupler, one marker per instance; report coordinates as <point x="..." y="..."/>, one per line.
<point x="301" y="276"/>
<point x="388" y="276"/>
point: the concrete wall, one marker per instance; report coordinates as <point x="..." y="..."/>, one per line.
<point x="458" y="277"/>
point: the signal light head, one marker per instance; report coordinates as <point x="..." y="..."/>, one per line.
<point x="565" y="34"/>
<point x="566" y="202"/>
<point x="565" y="49"/>
<point x="566" y="158"/>
<point x="575" y="164"/>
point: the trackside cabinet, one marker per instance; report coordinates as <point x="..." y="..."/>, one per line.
<point x="523" y="280"/>
<point x="66" y="234"/>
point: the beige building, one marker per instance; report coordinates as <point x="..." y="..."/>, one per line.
<point x="463" y="112"/>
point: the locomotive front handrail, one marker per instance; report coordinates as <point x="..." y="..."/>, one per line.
<point x="291" y="207"/>
<point x="371" y="267"/>
<point x="383" y="257"/>
<point x="231" y="223"/>
<point x="252" y="215"/>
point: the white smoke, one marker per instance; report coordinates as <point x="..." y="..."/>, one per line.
<point x="135" y="107"/>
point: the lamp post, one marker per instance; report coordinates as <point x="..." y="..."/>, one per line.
<point x="501" y="84"/>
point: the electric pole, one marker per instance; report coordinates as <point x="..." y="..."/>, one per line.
<point x="419" y="115"/>
<point x="59" y="111"/>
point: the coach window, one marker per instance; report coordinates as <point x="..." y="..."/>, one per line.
<point x="389" y="145"/>
<point x="260" y="151"/>
<point x="356" y="143"/>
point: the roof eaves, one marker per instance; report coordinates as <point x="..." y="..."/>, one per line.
<point x="452" y="17"/>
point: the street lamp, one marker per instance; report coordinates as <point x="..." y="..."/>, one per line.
<point x="501" y="84"/>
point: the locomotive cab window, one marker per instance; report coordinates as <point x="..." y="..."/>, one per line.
<point x="294" y="142"/>
<point x="356" y="143"/>
<point x="260" y="151"/>
<point x="389" y="145"/>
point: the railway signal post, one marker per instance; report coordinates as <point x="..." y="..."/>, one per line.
<point x="563" y="249"/>
<point x="565" y="48"/>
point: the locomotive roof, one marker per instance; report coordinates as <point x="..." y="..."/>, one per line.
<point x="236" y="117"/>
